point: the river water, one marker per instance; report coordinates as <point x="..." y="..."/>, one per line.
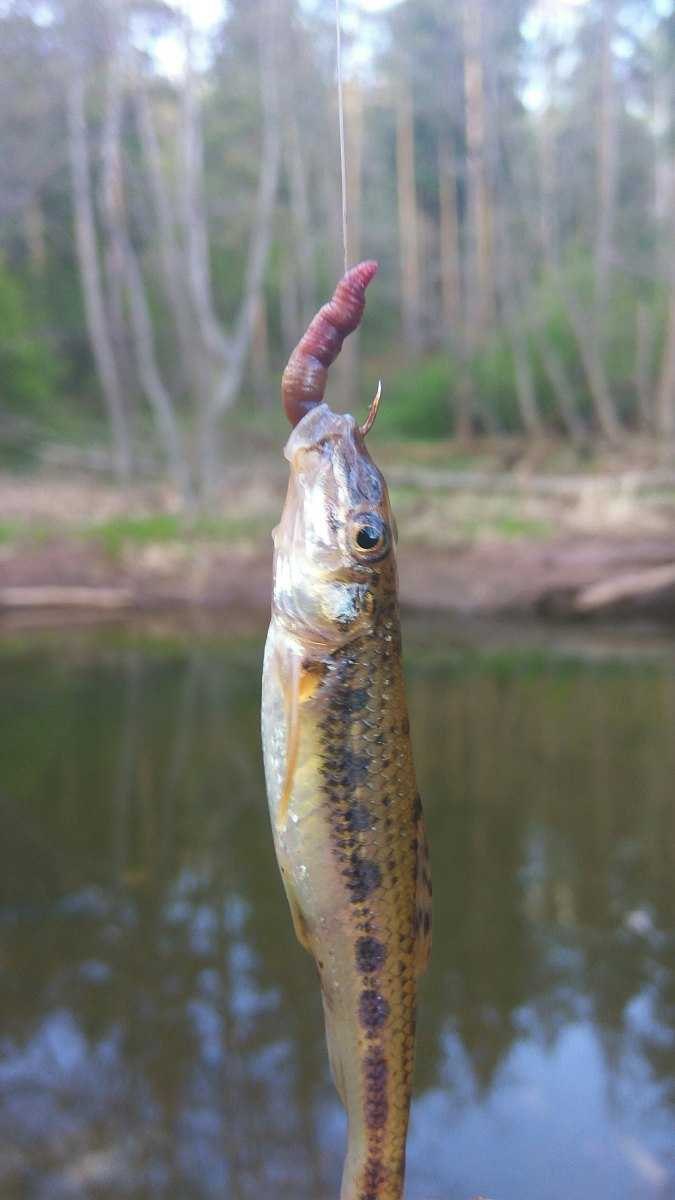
<point x="160" y="1029"/>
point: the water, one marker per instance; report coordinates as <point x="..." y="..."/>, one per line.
<point x="160" y="1030"/>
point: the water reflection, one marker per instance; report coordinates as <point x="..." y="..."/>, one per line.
<point x="161" y="1032"/>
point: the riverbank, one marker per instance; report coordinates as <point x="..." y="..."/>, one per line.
<point x="471" y="542"/>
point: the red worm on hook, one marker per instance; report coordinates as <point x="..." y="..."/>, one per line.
<point x="304" y="380"/>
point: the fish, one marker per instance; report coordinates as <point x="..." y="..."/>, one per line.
<point x="346" y="815"/>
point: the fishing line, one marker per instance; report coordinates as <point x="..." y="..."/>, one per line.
<point x="341" y="119"/>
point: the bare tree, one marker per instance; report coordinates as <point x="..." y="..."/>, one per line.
<point x="644" y="344"/>
<point x="229" y="380"/>
<point x="300" y="211"/>
<point x="407" y="215"/>
<point x="606" y="155"/>
<point x="90" y="273"/>
<point x="563" y="389"/>
<point x="111" y="200"/>
<point x="193" y="211"/>
<point x="451" y="299"/>
<point x="665" y="393"/>
<point x="169" y="251"/>
<point x="480" y="286"/>
<point x="124" y="271"/>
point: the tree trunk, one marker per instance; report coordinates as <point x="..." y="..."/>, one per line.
<point x="548" y="168"/>
<point x="228" y="385"/>
<point x="260" y="353"/>
<point x="34" y="234"/>
<point x="607" y="159"/>
<point x="590" y="350"/>
<point x="195" y="230"/>
<point x="169" y="250"/>
<point x="300" y="213"/>
<point x="111" y="202"/>
<point x="525" y="389"/>
<point x="480" y="286"/>
<point x="90" y="276"/>
<point x="644" y="343"/>
<point x="509" y="291"/>
<point x="158" y="396"/>
<point x="348" y="362"/>
<point x="407" y="217"/>
<point x="451" y="300"/>
<point x="564" y="391"/>
<point x="290" y="320"/>
<point x="665" y="393"/>
<point x="125" y="278"/>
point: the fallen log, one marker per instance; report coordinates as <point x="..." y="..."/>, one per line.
<point x="632" y="587"/>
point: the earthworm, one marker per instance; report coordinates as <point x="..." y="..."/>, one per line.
<point x="304" y="380"/>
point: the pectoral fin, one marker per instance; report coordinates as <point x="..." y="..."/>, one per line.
<point x="299" y="681"/>
<point x="289" y="675"/>
<point x="299" y="923"/>
<point x="334" y="1053"/>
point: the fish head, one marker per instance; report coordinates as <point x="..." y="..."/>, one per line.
<point x="335" y="565"/>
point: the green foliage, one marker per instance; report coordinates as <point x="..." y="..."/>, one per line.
<point x="418" y="400"/>
<point x="27" y="366"/>
<point x="493" y="377"/>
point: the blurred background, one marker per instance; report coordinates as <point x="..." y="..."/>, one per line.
<point x="170" y="220"/>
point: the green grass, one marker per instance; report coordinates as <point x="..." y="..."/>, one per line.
<point x="511" y="526"/>
<point x="13" y="532"/>
<point x="9" y="531"/>
<point x="164" y="528"/>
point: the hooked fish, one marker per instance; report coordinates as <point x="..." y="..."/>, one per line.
<point x="346" y="814"/>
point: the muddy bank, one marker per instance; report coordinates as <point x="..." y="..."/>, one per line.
<point x="471" y="544"/>
<point x="568" y="576"/>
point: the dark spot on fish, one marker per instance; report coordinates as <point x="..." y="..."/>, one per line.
<point x="386" y="800"/>
<point x="355" y="768"/>
<point x="376" y="1073"/>
<point x="373" y="1010"/>
<point x="417" y="810"/>
<point x="427" y="922"/>
<point x="356" y="699"/>
<point x="370" y="955"/>
<point x="405" y="726"/>
<point x="374" y="1176"/>
<point x="357" y="818"/>
<point x="363" y="877"/>
<point x="391" y="864"/>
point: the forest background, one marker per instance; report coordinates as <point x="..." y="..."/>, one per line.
<point x="170" y="221"/>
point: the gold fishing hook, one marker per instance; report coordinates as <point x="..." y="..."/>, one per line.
<point x="372" y="411"/>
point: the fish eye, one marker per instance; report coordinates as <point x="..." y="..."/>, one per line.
<point x="369" y="535"/>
